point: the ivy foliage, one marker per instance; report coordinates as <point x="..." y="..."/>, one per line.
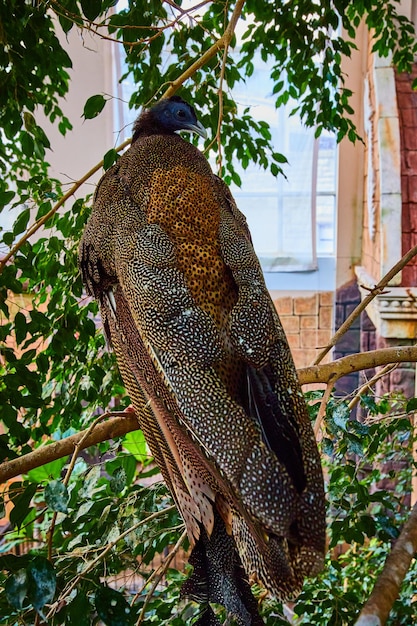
<point x="56" y="371"/>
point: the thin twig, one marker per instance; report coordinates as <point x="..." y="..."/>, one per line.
<point x="41" y="221"/>
<point x="322" y="409"/>
<point x="78" y="447"/>
<point x="102" y="554"/>
<point x="161" y="571"/>
<point x="367" y="386"/>
<point x="362" y="306"/>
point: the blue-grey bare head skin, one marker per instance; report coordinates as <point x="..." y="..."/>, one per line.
<point x="169" y="115"/>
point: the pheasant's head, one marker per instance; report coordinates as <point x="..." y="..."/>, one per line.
<point x="166" y="117"/>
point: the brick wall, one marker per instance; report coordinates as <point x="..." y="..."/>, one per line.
<point x="402" y="378"/>
<point x="362" y="337"/>
<point x="308" y="323"/>
<point x="347" y="299"/>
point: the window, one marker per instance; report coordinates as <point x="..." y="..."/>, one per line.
<point x="292" y="219"/>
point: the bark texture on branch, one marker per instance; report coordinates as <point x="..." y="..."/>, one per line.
<point x="114" y="427"/>
<point x="356" y="362"/>
<point x="125" y="423"/>
<point x="377" y="608"/>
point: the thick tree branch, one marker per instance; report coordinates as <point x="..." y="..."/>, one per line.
<point x="355" y="363"/>
<point x="125" y="422"/>
<point x="387" y="587"/>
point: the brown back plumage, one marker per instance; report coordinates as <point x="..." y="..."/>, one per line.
<point x="207" y="365"/>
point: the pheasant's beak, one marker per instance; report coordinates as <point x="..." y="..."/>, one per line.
<point x="199" y="129"/>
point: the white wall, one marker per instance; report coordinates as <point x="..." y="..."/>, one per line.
<point x="76" y="153"/>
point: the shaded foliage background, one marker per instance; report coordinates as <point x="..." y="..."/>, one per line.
<point x="56" y="371"/>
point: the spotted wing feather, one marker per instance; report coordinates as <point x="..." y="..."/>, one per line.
<point x="198" y="339"/>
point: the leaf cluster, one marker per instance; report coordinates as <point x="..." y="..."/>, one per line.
<point x="103" y="501"/>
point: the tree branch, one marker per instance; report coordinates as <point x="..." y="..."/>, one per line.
<point x="220" y="44"/>
<point x="125" y="422"/>
<point x="355" y="363"/>
<point x="362" y="306"/>
<point x="41" y="221"/>
<point x="379" y="604"/>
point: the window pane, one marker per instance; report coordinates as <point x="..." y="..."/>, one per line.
<point x="326" y="224"/>
<point x="292" y="218"/>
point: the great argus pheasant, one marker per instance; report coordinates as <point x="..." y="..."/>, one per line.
<point x="206" y="363"/>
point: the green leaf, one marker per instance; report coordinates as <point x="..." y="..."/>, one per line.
<point x="22" y="505"/>
<point x="91" y="8"/>
<point x="42" y="363"/>
<point x="341" y="415"/>
<point x="8" y="239"/>
<point x="354" y="444"/>
<point x="279" y="158"/>
<point x="29" y="121"/>
<point x="42" y="582"/>
<point x="66" y="24"/>
<point x="90" y="481"/>
<point x="118" y="480"/>
<point x="44" y="473"/>
<point x="16" y="589"/>
<point x="21" y="222"/>
<point x="79" y="610"/>
<point x="6" y="197"/>
<point x="327" y="446"/>
<point x="112" y="607"/>
<point x="110" y="158"/>
<point x="20" y="327"/>
<point x="411" y="405"/>
<point x="28" y="145"/>
<point x="56" y="496"/>
<point x="94" y="106"/>
<point x="134" y="442"/>
<point x="274" y="169"/>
